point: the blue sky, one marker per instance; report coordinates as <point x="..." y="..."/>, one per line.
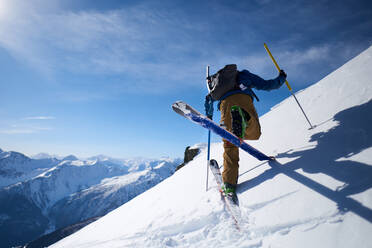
<point x="99" y="77"/>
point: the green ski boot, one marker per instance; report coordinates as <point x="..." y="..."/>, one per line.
<point x="229" y="191"/>
<point x="239" y="118"/>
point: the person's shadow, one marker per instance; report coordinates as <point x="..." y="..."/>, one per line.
<point x="352" y="135"/>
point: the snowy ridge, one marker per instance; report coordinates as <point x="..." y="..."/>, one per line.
<point x="108" y="194"/>
<point x="16" y="167"/>
<point x="64" y="179"/>
<point x="317" y="194"/>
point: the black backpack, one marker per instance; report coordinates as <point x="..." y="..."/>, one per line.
<point x="223" y="81"/>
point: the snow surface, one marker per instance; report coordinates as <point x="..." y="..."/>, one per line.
<point x="317" y="194"/>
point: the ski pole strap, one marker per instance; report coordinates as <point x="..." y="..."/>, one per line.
<point x="277" y="66"/>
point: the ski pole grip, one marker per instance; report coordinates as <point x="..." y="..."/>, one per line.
<point x="277" y="66"/>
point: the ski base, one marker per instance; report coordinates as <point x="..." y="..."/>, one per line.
<point x="190" y="113"/>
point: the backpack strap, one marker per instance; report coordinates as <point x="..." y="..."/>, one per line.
<point x="249" y="89"/>
<point x="255" y="96"/>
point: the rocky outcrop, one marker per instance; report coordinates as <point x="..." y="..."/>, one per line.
<point x="190" y="154"/>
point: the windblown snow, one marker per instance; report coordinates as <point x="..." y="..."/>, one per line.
<point x="317" y="194"/>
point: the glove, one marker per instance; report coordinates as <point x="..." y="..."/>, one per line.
<point x="208" y="105"/>
<point x="282" y="74"/>
<point x="282" y="77"/>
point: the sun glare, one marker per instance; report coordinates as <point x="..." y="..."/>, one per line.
<point x="2" y="8"/>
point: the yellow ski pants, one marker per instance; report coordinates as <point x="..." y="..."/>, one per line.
<point x="253" y="132"/>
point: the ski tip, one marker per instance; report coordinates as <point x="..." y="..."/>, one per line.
<point x="178" y="104"/>
<point x="213" y="162"/>
<point x="179" y="107"/>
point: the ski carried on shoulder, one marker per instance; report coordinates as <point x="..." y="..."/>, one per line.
<point x="190" y="113"/>
<point x="231" y="201"/>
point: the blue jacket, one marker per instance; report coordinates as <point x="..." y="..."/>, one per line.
<point x="247" y="81"/>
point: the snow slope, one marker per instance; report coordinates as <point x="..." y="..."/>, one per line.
<point x="317" y="194"/>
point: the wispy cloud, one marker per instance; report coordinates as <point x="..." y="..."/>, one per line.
<point x="139" y="43"/>
<point x="152" y="48"/>
<point x="39" y="118"/>
<point x="17" y="131"/>
<point x="303" y="65"/>
<point x="306" y="56"/>
<point x="23" y="130"/>
<point x="27" y="125"/>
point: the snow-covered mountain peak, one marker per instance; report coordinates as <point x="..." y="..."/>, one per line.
<point x="70" y="158"/>
<point x="15" y="157"/>
<point x="42" y="155"/>
<point x="100" y="157"/>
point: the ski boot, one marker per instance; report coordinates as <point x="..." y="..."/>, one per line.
<point x="228" y="190"/>
<point x="239" y="118"/>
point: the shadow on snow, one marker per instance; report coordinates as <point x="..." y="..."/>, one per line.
<point x="352" y="135"/>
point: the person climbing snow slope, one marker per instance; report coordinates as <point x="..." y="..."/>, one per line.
<point x="238" y="114"/>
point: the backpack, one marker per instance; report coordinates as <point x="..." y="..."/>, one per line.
<point x="223" y="81"/>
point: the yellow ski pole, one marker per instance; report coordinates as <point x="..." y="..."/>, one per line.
<point x="289" y="87"/>
<point x="277" y="66"/>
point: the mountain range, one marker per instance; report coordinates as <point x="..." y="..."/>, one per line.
<point x="43" y="193"/>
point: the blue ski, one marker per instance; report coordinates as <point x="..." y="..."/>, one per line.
<point x="190" y="113"/>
